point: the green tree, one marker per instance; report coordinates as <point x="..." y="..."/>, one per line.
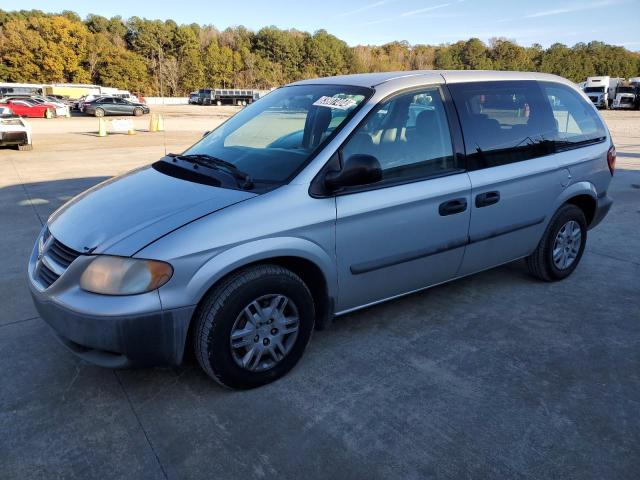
<point x="475" y="55"/>
<point x="507" y="55"/>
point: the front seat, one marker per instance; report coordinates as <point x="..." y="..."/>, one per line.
<point x="425" y="142"/>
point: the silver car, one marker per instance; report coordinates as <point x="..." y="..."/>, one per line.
<point x="324" y="197"/>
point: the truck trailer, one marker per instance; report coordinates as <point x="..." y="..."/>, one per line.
<point x="226" y="96"/>
<point x="10" y="88"/>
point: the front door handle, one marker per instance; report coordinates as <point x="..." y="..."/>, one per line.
<point x="451" y="207"/>
<point x="487" y="198"/>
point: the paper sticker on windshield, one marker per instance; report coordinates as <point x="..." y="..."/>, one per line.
<point x="335" y="102"/>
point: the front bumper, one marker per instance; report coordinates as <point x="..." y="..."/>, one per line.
<point x="119" y="341"/>
<point x="110" y="331"/>
<point x="603" y="206"/>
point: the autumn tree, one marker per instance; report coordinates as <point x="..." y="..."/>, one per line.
<point x="162" y="57"/>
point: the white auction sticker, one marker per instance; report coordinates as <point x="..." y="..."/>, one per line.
<point x="335" y="102"/>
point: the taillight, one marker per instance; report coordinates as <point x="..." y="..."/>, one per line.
<point x="611" y="158"/>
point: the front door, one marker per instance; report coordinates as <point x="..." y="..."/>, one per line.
<point x="409" y="230"/>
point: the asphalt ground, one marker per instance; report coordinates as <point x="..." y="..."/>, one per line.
<point x="493" y="376"/>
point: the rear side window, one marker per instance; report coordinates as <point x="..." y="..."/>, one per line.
<point x="576" y="122"/>
<point x="503" y="122"/>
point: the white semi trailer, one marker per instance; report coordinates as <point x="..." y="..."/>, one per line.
<point x="602" y="90"/>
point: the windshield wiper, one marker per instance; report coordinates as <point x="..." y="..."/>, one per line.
<point x="243" y="179"/>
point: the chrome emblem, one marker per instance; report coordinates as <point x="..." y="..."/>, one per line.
<point x="43" y="247"/>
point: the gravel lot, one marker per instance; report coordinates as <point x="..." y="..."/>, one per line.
<point x="493" y="376"/>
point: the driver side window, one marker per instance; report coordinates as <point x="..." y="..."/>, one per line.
<point x="408" y="134"/>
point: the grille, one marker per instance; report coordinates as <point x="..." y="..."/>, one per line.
<point x="54" y="259"/>
<point x="626" y="100"/>
<point x="62" y="254"/>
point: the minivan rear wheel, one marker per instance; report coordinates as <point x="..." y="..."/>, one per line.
<point x="561" y="246"/>
<point x="253" y="328"/>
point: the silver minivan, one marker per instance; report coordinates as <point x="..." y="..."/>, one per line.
<point x="324" y="197"/>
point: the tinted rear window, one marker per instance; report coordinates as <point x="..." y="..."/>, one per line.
<point x="506" y="122"/>
<point x="503" y="122"/>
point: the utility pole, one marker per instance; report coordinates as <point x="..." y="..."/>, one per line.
<point x="161" y="60"/>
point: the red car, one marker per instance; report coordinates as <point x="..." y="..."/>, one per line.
<point x="27" y="108"/>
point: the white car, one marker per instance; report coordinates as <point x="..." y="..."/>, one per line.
<point x="14" y="130"/>
<point x="62" y="109"/>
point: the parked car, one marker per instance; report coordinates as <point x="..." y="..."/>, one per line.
<point x="14" y="131"/>
<point x="88" y="99"/>
<point x="114" y="106"/>
<point x="284" y="217"/>
<point x="28" y="108"/>
<point x="194" y="98"/>
<point x="62" y="110"/>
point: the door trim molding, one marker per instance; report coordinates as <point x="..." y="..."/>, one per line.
<point x="505" y="230"/>
<point x="365" y="267"/>
<point x="390" y="261"/>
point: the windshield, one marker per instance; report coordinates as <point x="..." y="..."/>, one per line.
<point x="626" y="90"/>
<point x="594" y="89"/>
<point x="273" y="139"/>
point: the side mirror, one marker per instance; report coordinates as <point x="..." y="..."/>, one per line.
<point x="357" y="170"/>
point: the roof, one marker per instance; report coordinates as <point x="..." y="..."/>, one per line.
<point x="449" y="76"/>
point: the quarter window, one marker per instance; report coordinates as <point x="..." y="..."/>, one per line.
<point x="576" y="121"/>
<point x="409" y="136"/>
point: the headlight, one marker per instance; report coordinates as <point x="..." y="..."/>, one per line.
<point x="109" y="275"/>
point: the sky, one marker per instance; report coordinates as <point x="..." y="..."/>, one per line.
<point x="380" y="21"/>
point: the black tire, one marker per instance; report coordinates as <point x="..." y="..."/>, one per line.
<point x="99" y="112"/>
<point x="25" y="148"/>
<point x="217" y="313"/>
<point x="540" y="263"/>
<point x="137" y="112"/>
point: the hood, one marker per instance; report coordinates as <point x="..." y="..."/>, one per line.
<point x="125" y="213"/>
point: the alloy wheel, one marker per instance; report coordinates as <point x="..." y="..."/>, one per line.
<point x="566" y="245"/>
<point x="264" y="332"/>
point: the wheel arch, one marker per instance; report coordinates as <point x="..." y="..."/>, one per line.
<point x="583" y="195"/>
<point x="587" y="204"/>
<point x="304" y="258"/>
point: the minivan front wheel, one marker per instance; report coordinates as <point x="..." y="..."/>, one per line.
<point x="253" y="328"/>
<point x="561" y="246"/>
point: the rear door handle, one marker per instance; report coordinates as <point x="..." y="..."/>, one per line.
<point x="451" y="207"/>
<point x="487" y="198"/>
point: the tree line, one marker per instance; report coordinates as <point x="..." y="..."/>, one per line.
<point x="157" y="57"/>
